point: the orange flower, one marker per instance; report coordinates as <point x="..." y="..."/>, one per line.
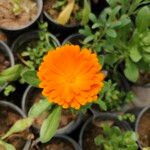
<point x="70" y="77"/>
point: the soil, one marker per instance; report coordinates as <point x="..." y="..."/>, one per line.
<point x="93" y="130"/>
<point x="7" y="118"/>
<point x="144" y="79"/>
<point x="144" y="129"/>
<point x="55" y="144"/>
<point x="66" y="116"/>
<point x="8" y="19"/>
<point x="3" y="36"/>
<point x="48" y="7"/>
<point x="4" y="63"/>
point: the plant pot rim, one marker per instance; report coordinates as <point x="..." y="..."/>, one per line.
<point x="64" y="130"/>
<point x="20" y="112"/>
<point x="40" y="7"/>
<point x="71" y="37"/>
<point x="34" y="33"/>
<point x="138" y="121"/>
<point x="10" y="56"/>
<point x="65" y="137"/>
<point x="113" y="116"/>
<point x="60" y="25"/>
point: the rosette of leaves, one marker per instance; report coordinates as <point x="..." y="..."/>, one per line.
<point x="113" y="138"/>
<point x="112" y="98"/>
<point x="19" y="126"/>
<point x="120" y="38"/>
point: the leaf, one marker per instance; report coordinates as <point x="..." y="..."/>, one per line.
<point x="86" y="12"/>
<point x="50" y="125"/>
<point x="135" y="54"/>
<point x="143" y="19"/>
<point x="111" y="33"/>
<point x="64" y="16"/>
<point x="38" y="108"/>
<point x="10" y="74"/>
<point x="7" y="146"/>
<point x="102" y="104"/>
<point x="131" y="71"/>
<point x="30" y="76"/>
<point x="88" y="39"/>
<point x="110" y="59"/>
<point x="19" y="126"/>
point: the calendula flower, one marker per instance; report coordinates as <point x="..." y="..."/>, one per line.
<point x="71" y="77"/>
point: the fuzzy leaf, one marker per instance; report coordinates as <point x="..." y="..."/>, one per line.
<point x="30" y="76"/>
<point x="131" y="71"/>
<point x="111" y="33"/>
<point x="50" y="125"/>
<point x="135" y="54"/>
<point x="143" y="19"/>
<point x="38" y="108"/>
<point x="86" y="12"/>
<point x="7" y="146"/>
<point x="64" y="16"/>
<point x="19" y="126"/>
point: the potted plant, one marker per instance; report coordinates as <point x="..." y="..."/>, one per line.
<point x="75" y="96"/>
<point x="105" y="131"/>
<point x="13" y="127"/>
<point x="58" y="142"/>
<point x="19" y="14"/>
<point x="6" y="60"/>
<point x="69" y="120"/>
<point x="114" y="33"/>
<point x="112" y="98"/>
<point x="29" y="50"/>
<point x="142" y="127"/>
<point x="65" y="15"/>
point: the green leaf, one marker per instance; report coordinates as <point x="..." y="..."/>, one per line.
<point x="88" y="39"/>
<point x="102" y="105"/>
<point x="39" y="107"/>
<point x="64" y="16"/>
<point x="19" y="126"/>
<point x="86" y="12"/>
<point x="50" y="125"/>
<point x="111" y="33"/>
<point x="135" y="54"/>
<point x="110" y="59"/>
<point x="131" y="71"/>
<point x="7" y="146"/>
<point x="30" y="76"/>
<point x="143" y="19"/>
<point x="10" y="74"/>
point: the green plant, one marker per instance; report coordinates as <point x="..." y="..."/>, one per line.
<point x="120" y="38"/>
<point x="19" y="126"/>
<point x="32" y="56"/>
<point x="112" y="98"/>
<point x="113" y="138"/>
<point x="71" y="9"/>
<point x="127" y="116"/>
<point x="19" y="6"/>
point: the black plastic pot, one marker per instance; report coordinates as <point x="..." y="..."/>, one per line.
<point x="101" y="117"/>
<point x="75" y="39"/>
<point x="141" y="114"/>
<point x="62" y="137"/>
<point x="18" y="111"/>
<point x="26" y="104"/>
<point x="25" y="38"/>
<point x="40" y="7"/>
<point x="7" y="52"/>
